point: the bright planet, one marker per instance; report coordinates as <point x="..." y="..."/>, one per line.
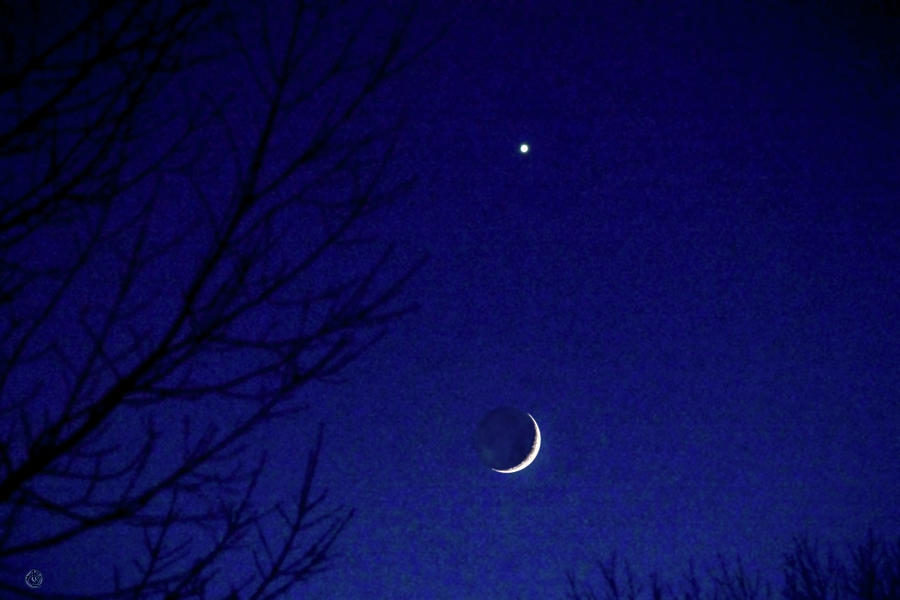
<point x="523" y="148"/>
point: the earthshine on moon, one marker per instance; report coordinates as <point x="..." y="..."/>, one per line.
<point x="535" y="448"/>
<point x="508" y="440"/>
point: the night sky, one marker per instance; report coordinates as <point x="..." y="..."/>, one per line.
<point x="690" y="281"/>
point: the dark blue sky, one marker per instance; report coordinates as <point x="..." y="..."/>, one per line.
<point x="690" y="281"/>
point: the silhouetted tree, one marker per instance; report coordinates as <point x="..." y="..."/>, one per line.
<point x="185" y="188"/>
<point x="873" y="573"/>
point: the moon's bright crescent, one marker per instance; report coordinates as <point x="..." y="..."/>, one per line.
<point x="535" y="448"/>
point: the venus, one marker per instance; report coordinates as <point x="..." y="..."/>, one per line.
<point x="507" y="439"/>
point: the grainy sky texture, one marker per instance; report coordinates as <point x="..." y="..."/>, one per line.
<point x="691" y="281"/>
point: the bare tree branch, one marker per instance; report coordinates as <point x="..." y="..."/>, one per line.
<point x="119" y="168"/>
<point x="871" y="573"/>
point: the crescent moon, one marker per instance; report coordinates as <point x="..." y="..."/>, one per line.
<point x="535" y="448"/>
